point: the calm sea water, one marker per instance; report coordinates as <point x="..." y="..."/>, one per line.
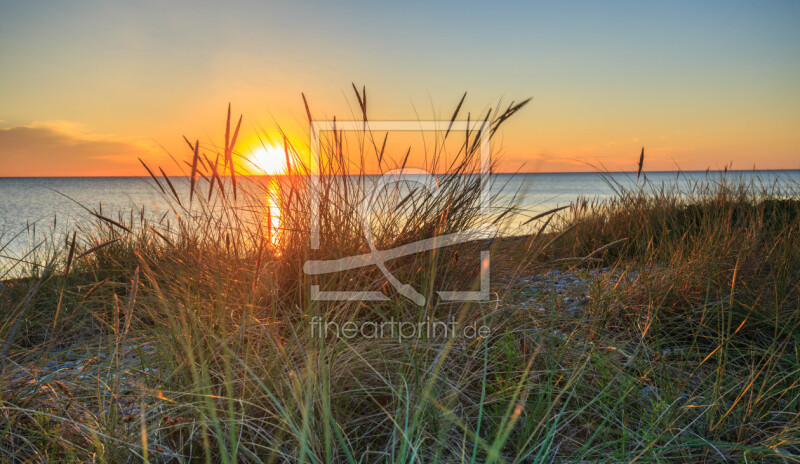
<point x="57" y="204"/>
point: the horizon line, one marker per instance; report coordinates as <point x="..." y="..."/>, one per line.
<point x="378" y="174"/>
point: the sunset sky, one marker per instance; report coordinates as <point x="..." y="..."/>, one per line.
<point x="87" y="87"/>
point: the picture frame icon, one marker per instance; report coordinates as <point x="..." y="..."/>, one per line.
<point x="424" y="179"/>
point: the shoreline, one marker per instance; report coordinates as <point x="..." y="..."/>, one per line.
<point x="629" y="326"/>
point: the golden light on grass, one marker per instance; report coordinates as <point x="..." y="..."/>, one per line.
<point x="216" y="305"/>
<point x="267" y="159"/>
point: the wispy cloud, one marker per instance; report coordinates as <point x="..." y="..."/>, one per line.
<point x="63" y="148"/>
<point x="662" y="152"/>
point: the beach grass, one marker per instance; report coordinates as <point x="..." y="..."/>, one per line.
<point x="661" y="325"/>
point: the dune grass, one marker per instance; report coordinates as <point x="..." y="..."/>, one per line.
<point x="191" y="338"/>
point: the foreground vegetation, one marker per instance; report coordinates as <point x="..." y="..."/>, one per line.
<point x="190" y="339"/>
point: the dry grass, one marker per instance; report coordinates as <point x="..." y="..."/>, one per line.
<point x="190" y="339"/>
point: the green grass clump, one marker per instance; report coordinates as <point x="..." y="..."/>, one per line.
<point x="191" y="339"/>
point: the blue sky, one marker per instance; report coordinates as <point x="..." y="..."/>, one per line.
<point x="702" y="84"/>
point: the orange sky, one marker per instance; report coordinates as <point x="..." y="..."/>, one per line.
<point x="88" y="88"/>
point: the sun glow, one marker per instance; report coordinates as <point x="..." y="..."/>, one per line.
<point x="268" y="159"/>
<point x="272" y="221"/>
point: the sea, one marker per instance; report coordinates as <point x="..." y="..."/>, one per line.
<point x="55" y="206"/>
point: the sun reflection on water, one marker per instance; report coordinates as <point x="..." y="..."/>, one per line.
<point x="272" y="211"/>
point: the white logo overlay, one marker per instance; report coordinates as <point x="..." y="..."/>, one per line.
<point x="423" y="178"/>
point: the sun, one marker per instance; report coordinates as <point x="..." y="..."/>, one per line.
<point x="268" y="159"/>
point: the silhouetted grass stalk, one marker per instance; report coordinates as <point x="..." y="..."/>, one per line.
<point x="687" y="349"/>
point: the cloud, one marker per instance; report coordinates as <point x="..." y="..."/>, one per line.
<point x="63" y="148"/>
<point x="662" y="152"/>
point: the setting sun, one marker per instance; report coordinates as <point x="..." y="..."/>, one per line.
<point x="351" y="231"/>
<point x="267" y="159"/>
